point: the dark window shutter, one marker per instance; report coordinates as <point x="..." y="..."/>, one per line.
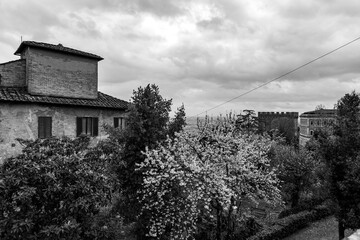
<point x="78" y="126"/>
<point x="44" y="127"/>
<point x="41" y="127"/>
<point x="116" y="122"/>
<point x="48" y="127"/>
<point x="95" y="126"/>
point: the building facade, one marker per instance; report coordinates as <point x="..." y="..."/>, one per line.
<point x="286" y="122"/>
<point x="313" y="121"/>
<point x="52" y="90"/>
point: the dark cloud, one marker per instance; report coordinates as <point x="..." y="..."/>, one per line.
<point x="202" y="52"/>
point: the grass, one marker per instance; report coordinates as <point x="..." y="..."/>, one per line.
<point x="325" y="229"/>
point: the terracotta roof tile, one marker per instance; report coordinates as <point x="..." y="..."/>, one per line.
<point x="58" y="48"/>
<point x="16" y="94"/>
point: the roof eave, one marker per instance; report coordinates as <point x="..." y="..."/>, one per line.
<point x="24" y="45"/>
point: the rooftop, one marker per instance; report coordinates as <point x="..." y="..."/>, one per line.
<point x="56" y="48"/>
<point x="321" y="112"/>
<point x="20" y="95"/>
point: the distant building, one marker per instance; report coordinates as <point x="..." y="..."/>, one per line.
<point x="315" y="120"/>
<point x="52" y="90"/>
<point x="283" y="121"/>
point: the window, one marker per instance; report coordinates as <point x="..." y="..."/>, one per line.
<point x="44" y="127"/>
<point x="87" y="126"/>
<point x="119" y="122"/>
<point x="311" y="122"/>
<point x="311" y="132"/>
<point x="303" y="122"/>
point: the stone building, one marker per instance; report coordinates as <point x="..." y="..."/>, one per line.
<point x="286" y="122"/>
<point x="315" y="120"/>
<point x="52" y="90"/>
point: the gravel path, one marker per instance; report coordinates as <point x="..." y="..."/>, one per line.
<point x="325" y="229"/>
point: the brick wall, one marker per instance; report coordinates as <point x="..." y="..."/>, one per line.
<point x="59" y="74"/>
<point x="13" y="74"/>
<point x="21" y="121"/>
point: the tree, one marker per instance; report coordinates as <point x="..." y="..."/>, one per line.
<point x="205" y="177"/>
<point x="341" y="152"/>
<point x="320" y="107"/>
<point x="178" y="123"/>
<point x="52" y="190"/>
<point x="247" y="122"/>
<point x="147" y="126"/>
<point x="285" y="127"/>
<point x="296" y="171"/>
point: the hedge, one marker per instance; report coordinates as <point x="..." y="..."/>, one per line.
<point x="284" y="227"/>
<point x="305" y="205"/>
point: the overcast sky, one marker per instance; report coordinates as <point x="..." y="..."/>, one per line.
<point x="203" y="52"/>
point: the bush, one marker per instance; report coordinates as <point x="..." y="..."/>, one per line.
<point x="52" y="191"/>
<point x="288" y="225"/>
<point x="107" y="225"/>
<point x="303" y="206"/>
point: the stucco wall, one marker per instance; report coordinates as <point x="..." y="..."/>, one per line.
<point x="60" y="74"/>
<point x="13" y="74"/>
<point x="21" y="121"/>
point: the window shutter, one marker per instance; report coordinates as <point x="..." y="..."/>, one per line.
<point x="41" y="127"/>
<point x="48" y="127"/>
<point x="78" y="126"/>
<point x="95" y="127"/>
<point x="116" y="122"/>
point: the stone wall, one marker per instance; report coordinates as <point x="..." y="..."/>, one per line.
<point x="266" y="119"/>
<point x="12" y="74"/>
<point x="21" y="121"/>
<point x="59" y="74"/>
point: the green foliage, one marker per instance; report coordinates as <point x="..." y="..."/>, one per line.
<point x="52" y="191"/>
<point x="305" y="205"/>
<point x="286" y="226"/>
<point x="285" y="128"/>
<point x="296" y="171"/>
<point x="147" y="125"/>
<point x="340" y="152"/>
<point x="247" y="122"/>
<point x="107" y="225"/>
<point x="205" y="177"/>
<point x="178" y="123"/>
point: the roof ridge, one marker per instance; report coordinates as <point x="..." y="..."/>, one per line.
<point x="59" y="47"/>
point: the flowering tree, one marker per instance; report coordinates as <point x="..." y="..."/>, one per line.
<point x="205" y="175"/>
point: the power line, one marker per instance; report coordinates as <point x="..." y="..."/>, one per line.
<point x="281" y="76"/>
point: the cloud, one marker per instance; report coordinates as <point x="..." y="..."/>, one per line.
<point x="202" y="52"/>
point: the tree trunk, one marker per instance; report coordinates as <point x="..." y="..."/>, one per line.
<point x="229" y="227"/>
<point x="341" y="229"/>
<point x="295" y="197"/>
<point x="218" y="227"/>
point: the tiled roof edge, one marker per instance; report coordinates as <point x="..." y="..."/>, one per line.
<point x="20" y="95"/>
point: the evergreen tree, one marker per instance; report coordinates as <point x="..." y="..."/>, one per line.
<point x="341" y="153"/>
<point x="247" y="122"/>
<point x="178" y="123"/>
<point x="146" y="127"/>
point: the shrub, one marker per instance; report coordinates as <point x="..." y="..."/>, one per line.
<point x="52" y="191"/>
<point x="303" y="206"/>
<point x="288" y="225"/>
